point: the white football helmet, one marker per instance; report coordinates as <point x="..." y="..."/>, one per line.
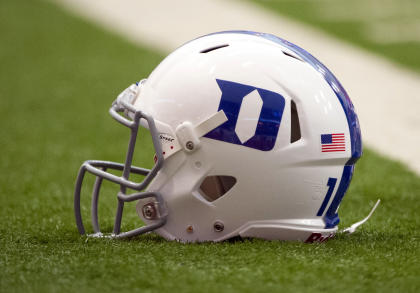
<point x="254" y="137"/>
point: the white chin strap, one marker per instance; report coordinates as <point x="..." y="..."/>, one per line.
<point x="353" y="227"/>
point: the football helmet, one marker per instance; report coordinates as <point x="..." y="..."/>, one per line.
<point x="254" y="137"/>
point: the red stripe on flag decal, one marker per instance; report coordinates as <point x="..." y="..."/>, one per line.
<point x="329" y="151"/>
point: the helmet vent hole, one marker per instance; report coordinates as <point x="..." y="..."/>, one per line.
<point x="295" y="134"/>
<point x="293" y="56"/>
<point x="214" y="187"/>
<point x="214" y="48"/>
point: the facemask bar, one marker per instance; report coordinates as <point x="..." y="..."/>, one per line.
<point x="99" y="168"/>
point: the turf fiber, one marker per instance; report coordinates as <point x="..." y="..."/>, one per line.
<point x="58" y="76"/>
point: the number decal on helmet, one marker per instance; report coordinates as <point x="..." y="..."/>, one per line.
<point x="331" y="184"/>
<point x="331" y="216"/>
<point x="263" y="134"/>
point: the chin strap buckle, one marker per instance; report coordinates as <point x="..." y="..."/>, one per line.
<point x="353" y="227"/>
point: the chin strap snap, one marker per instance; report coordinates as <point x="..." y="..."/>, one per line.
<point x="353" y="227"/>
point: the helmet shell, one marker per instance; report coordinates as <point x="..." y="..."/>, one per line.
<point x="285" y="188"/>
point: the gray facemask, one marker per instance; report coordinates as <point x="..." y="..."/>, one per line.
<point x="154" y="210"/>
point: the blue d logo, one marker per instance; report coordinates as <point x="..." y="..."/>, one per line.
<point x="254" y="115"/>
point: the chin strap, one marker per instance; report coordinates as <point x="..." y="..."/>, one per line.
<point x="353" y="227"/>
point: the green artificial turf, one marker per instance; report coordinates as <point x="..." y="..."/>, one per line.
<point x="58" y="76"/>
<point x="389" y="28"/>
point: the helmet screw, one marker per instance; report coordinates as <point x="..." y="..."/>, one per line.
<point x="218" y="226"/>
<point x="149" y="211"/>
<point x="189" y="145"/>
<point x="190" y="229"/>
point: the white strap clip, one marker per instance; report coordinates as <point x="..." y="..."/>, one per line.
<point x="129" y="95"/>
<point x="188" y="134"/>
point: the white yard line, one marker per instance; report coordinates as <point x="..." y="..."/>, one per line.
<point x="386" y="96"/>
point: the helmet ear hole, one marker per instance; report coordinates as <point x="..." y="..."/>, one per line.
<point x="214" y="187"/>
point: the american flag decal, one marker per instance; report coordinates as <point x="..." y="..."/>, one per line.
<point x="333" y="142"/>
